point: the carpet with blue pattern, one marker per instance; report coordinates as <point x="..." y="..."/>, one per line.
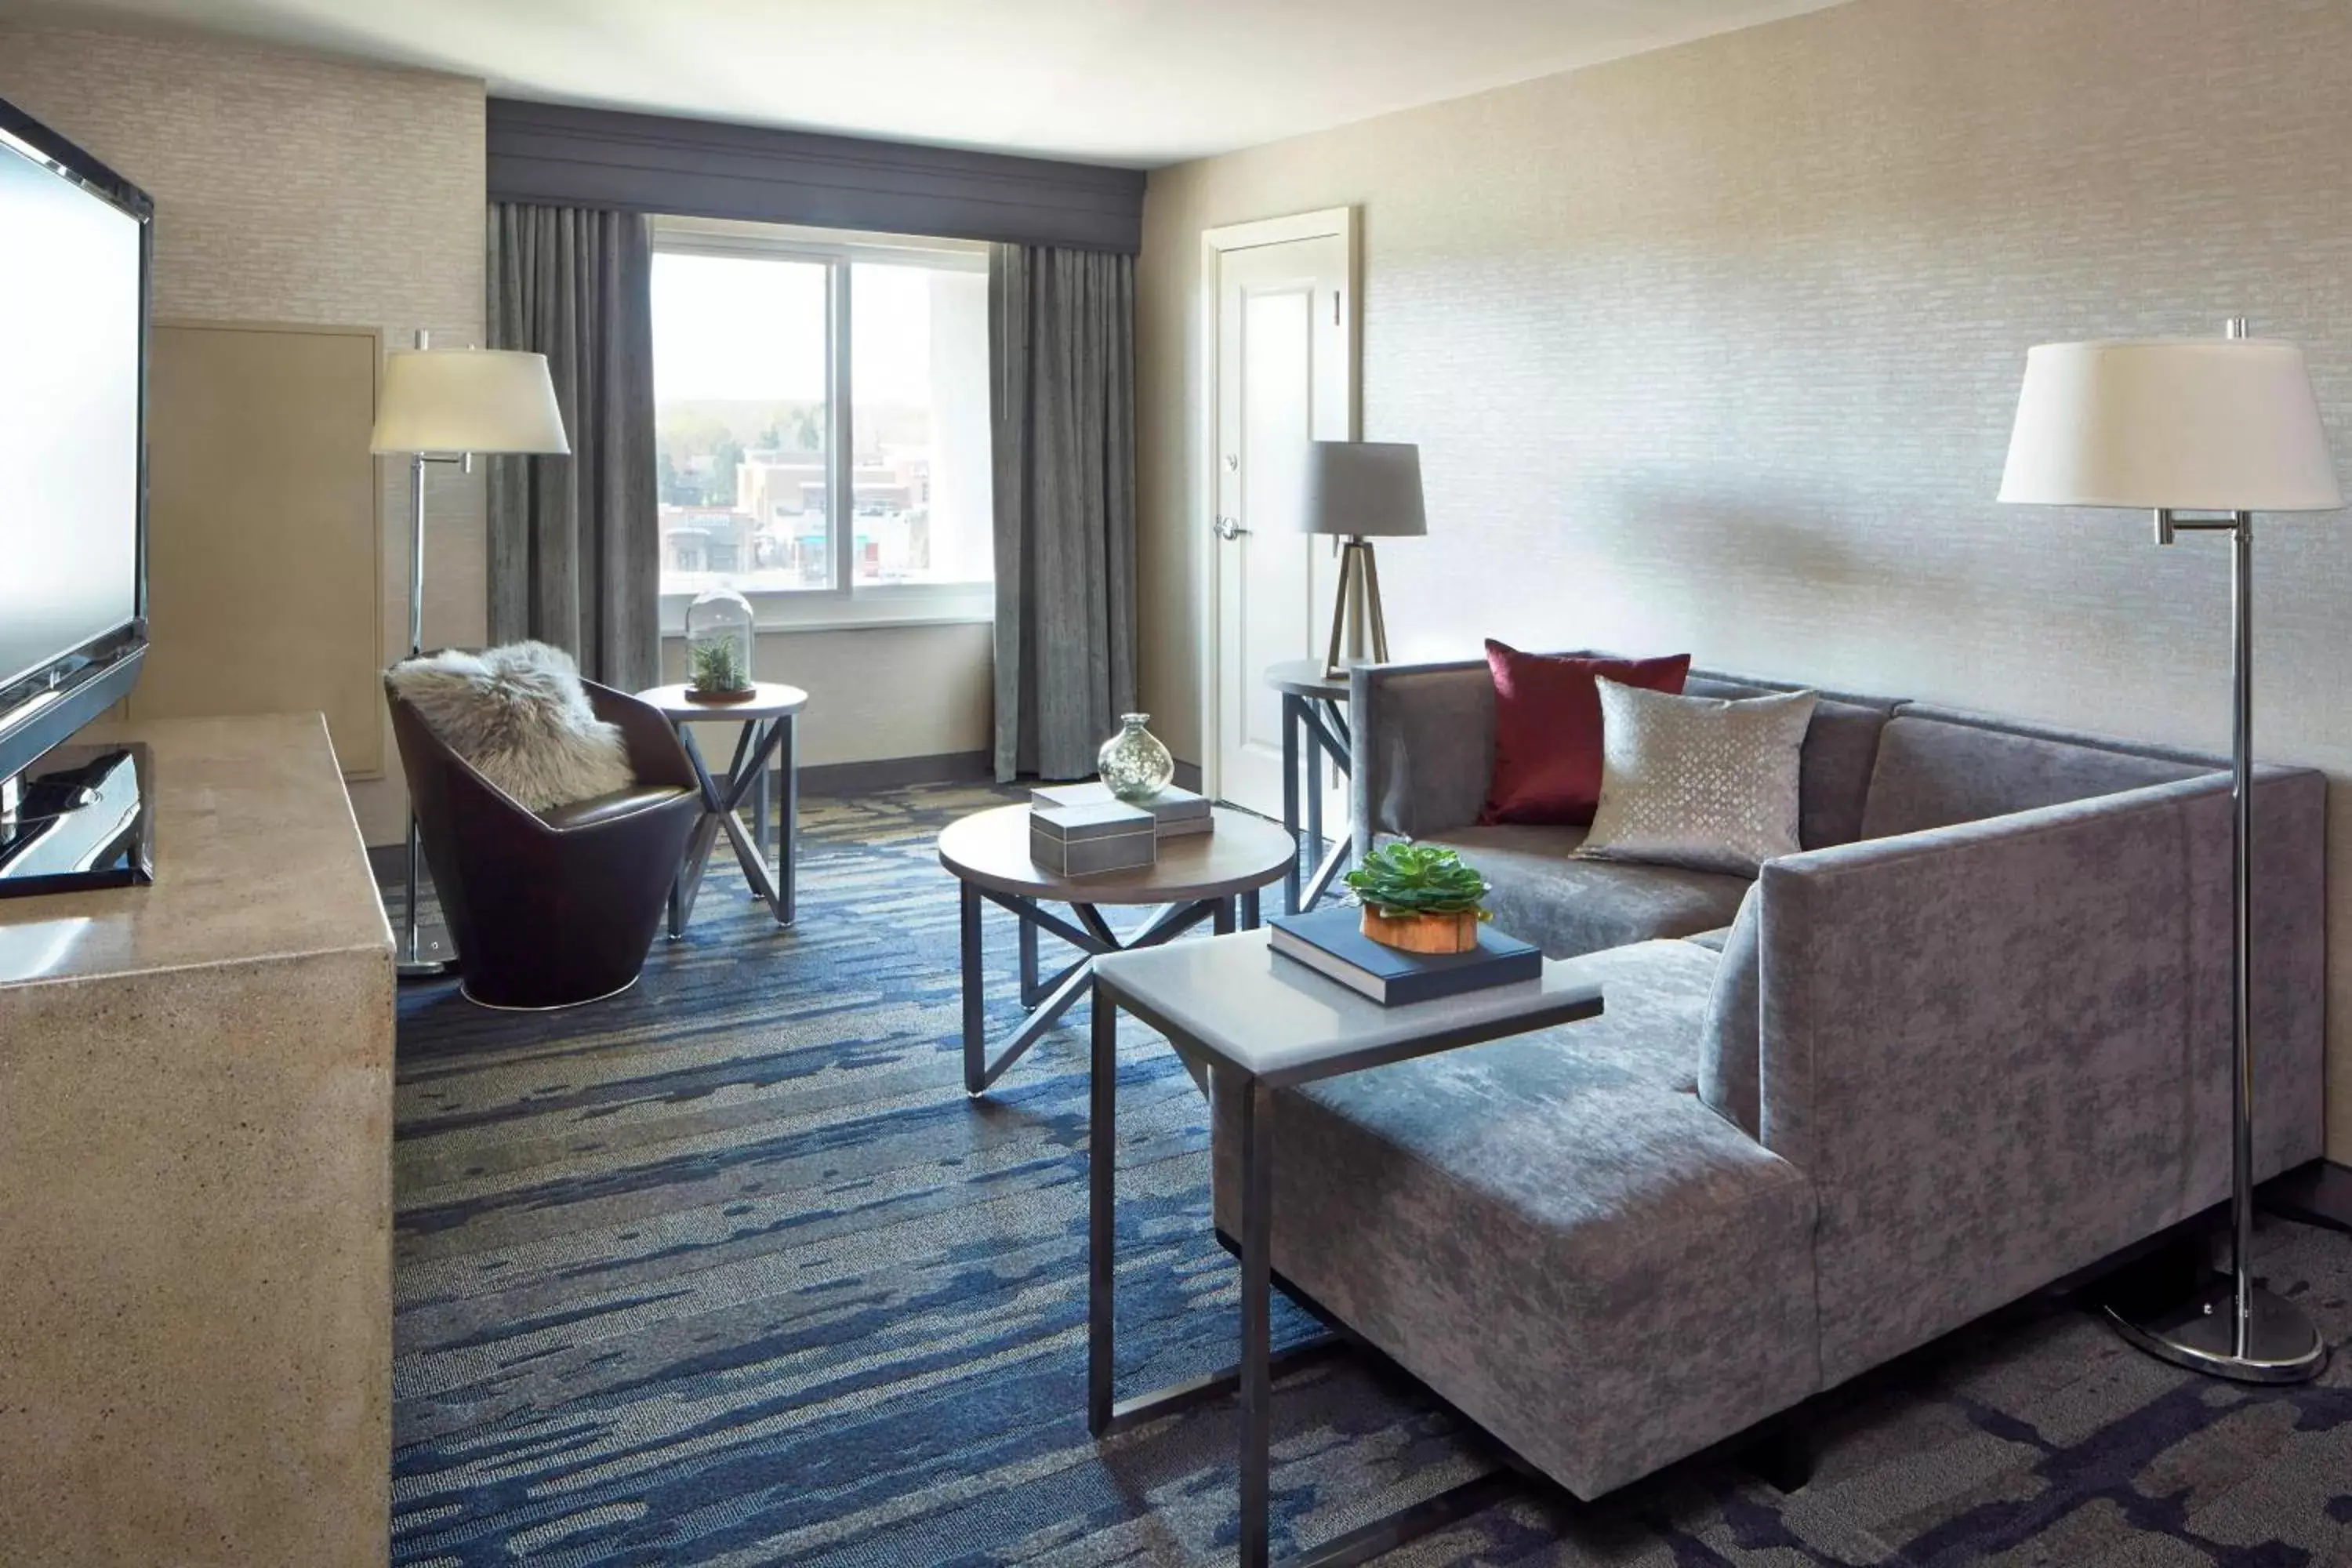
<point x="729" y="1270"/>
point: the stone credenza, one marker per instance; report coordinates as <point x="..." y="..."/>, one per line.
<point x="195" y="1179"/>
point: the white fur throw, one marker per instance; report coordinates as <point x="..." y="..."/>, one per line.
<point x="519" y="716"/>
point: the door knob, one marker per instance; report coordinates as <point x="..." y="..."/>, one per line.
<point x="1229" y="528"/>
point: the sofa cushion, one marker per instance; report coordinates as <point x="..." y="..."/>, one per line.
<point x="1936" y="771"/>
<point x="1730" y="1047"/>
<point x="1547" y="728"/>
<point x="1841" y="747"/>
<point x="602" y="808"/>
<point x="1710" y="782"/>
<point x="1567" y="907"/>
<point x="1552" y="1232"/>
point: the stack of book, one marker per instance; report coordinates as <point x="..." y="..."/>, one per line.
<point x="1174" y="812"/>
<point x="1332" y="942"/>
<point x="1083" y="830"/>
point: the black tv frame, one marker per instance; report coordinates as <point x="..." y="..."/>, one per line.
<point x="45" y="709"/>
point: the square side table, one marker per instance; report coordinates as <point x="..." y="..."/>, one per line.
<point x="1275" y="1023"/>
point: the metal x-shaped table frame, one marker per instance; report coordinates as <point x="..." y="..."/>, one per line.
<point x="761" y="741"/>
<point x="1049" y="998"/>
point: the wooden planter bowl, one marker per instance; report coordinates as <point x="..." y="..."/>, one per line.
<point x="741" y="694"/>
<point x="1423" y="933"/>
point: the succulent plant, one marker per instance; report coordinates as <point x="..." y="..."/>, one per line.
<point x="1406" y="878"/>
<point x="717" y="666"/>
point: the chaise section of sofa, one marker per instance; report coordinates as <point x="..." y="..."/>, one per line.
<point x="1973" y="1039"/>
<point x="1554" y="1233"/>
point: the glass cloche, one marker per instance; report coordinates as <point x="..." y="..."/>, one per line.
<point x="719" y="647"/>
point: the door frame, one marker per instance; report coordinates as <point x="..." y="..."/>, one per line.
<point x="1328" y="222"/>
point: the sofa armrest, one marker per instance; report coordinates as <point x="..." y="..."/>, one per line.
<point x="1421" y="744"/>
<point x="2001" y="1049"/>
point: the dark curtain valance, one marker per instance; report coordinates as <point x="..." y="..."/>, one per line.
<point x="558" y="156"/>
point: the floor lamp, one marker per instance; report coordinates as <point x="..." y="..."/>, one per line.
<point x="2226" y="426"/>
<point x="1360" y="490"/>
<point x="444" y="406"/>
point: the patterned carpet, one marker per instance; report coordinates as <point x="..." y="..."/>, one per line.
<point x="728" y="1271"/>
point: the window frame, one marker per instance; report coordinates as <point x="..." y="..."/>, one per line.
<point x="844" y="605"/>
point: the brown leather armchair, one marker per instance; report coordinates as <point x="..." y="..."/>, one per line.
<point x="551" y="908"/>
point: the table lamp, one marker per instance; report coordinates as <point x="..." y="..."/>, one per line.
<point x="443" y="406"/>
<point x="1360" y="490"/>
<point x="2222" y="425"/>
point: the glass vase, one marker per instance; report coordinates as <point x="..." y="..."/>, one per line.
<point x="1133" y="762"/>
<point x="719" y="647"/>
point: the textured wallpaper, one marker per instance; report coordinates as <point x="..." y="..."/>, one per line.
<point x="293" y="188"/>
<point x="1718" y="349"/>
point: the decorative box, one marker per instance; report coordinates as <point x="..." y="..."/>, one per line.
<point x="1174" y="812"/>
<point x="1091" y="840"/>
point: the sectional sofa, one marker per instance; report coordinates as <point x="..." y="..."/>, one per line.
<point x="1972" y="1040"/>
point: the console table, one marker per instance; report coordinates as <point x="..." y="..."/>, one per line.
<point x="196" y="1178"/>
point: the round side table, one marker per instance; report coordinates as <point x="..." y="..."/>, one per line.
<point x="1198" y="876"/>
<point x="768" y="718"/>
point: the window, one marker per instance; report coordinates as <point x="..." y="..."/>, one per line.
<point x="822" y="422"/>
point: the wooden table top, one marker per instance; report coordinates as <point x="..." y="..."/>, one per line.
<point x="990" y="850"/>
<point x="769" y="699"/>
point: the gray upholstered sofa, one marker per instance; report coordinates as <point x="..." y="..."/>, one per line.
<point x="1972" y="1040"/>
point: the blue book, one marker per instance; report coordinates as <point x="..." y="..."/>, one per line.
<point x="1332" y="942"/>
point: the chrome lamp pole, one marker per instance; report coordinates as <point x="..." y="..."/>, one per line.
<point x="2225" y="428"/>
<point x="443" y="406"/>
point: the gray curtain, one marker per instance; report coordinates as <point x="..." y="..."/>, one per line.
<point x="574" y="545"/>
<point x="1061" y="340"/>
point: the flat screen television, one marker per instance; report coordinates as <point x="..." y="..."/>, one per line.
<point x="75" y="257"/>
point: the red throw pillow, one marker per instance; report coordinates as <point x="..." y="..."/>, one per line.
<point x="1547" y="730"/>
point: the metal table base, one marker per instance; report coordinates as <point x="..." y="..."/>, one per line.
<point x="1313" y="728"/>
<point x="760" y="742"/>
<point x="1260" y="1365"/>
<point x="1049" y="998"/>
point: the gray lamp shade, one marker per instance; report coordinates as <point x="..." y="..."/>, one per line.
<point x="1370" y="489"/>
<point x="2183" y="423"/>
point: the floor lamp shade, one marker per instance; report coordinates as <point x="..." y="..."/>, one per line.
<point x="1360" y="490"/>
<point x="2191" y="424"/>
<point x="466" y="400"/>
<point x="2224" y="428"/>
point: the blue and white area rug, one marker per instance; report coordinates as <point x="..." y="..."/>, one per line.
<point x="729" y="1270"/>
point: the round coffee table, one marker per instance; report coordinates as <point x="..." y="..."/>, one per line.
<point x="769" y="716"/>
<point x="1213" y="877"/>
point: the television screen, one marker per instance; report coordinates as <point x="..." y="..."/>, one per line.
<point x="70" y="414"/>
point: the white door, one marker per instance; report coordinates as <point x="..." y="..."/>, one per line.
<point x="1282" y="374"/>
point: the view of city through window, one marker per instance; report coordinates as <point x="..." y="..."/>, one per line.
<point x="743" y="427"/>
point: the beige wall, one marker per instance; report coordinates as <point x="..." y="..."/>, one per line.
<point x="293" y="188"/>
<point x="1716" y="349"/>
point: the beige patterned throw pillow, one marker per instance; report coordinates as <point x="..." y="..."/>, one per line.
<point x="1702" y="782"/>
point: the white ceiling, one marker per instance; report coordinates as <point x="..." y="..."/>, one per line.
<point x="1143" y="82"/>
